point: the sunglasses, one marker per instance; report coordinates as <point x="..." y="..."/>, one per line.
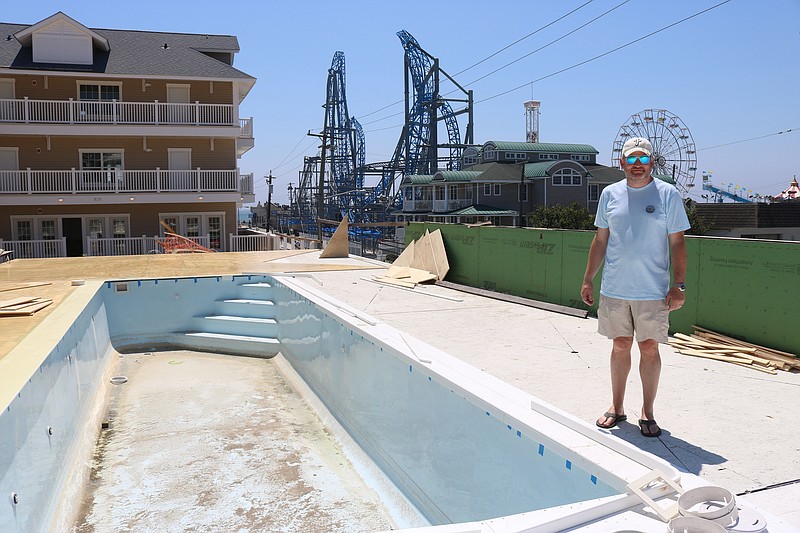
<point x="643" y="159"/>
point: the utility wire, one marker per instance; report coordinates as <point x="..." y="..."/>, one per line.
<point x="476" y="64"/>
<point x="523" y="38"/>
<point x="747" y="140"/>
<point x="603" y="54"/>
<point x="548" y="44"/>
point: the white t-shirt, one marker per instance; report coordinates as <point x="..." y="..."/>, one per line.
<point x="639" y="222"/>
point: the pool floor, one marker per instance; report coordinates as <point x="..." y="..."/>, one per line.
<point x="207" y="442"/>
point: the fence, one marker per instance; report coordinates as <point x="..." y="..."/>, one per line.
<point x="36" y="249"/>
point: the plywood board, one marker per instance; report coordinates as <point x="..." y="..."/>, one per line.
<point x="26" y="286"/>
<point x="338" y="246"/>
<point x="439" y="254"/>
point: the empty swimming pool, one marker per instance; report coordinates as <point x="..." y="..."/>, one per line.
<point x="461" y="446"/>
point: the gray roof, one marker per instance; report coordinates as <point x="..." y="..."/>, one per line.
<point x="604" y="174"/>
<point x="456" y="175"/>
<point x="559" y="148"/>
<point x="135" y="53"/>
<point x="478" y="210"/>
<point x="493" y="172"/>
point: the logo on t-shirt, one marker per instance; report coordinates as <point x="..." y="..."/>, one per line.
<point x="650" y="209"/>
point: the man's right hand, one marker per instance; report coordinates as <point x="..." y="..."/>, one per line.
<point x="587" y="293"/>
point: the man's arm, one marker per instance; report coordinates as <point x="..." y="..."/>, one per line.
<point x="677" y="255"/>
<point x="597" y="253"/>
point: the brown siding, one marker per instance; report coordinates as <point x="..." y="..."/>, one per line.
<point x="64" y="151"/>
<point x="66" y="87"/>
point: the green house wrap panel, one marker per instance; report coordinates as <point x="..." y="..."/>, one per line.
<point x="743" y="288"/>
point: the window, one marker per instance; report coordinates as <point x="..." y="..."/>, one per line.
<point x="24" y="230"/>
<point x="439" y="193"/>
<point x="48" y="227"/>
<point x="489" y="155"/>
<point x="470" y="160"/>
<point x="119" y="228"/>
<point x="516" y="156"/>
<point x="487" y="189"/>
<point x="95" y="226"/>
<point x="548" y="157"/>
<point x="453" y="192"/>
<point x="581" y="157"/>
<point x="99" y="92"/>
<point x="523" y="192"/>
<point x="594" y="192"/>
<point x="567" y="176"/>
<point x="172" y="222"/>
<point x="101" y="167"/>
<point x="408" y="194"/>
<point x="192" y="226"/>
<point x="215" y="232"/>
<point x="497" y="189"/>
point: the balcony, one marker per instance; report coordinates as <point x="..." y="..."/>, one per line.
<point x="444" y="206"/>
<point x="27" y="111"/>
<point x="417" y="205"/>
<point x="75" y="181"/>
<point x="245" y="141"/>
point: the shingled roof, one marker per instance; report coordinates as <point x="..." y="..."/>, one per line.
<point x="135" y="53"/>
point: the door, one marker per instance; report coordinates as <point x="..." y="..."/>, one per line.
<point x="179" y="111"/>
<point x="7" y="108"/>
<point x="180" y="166"/>
<point x="73" y="233"/>
<point x="10" y="180"/>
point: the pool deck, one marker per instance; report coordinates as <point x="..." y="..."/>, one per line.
<point x="729" y="425"/>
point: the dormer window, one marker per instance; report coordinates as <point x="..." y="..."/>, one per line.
<point x="61" y="39"/>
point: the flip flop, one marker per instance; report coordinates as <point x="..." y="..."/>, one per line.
<point x="649" y="424"/>
<point x="615" y="418"/>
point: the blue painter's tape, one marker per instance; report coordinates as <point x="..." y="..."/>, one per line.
<point x="430" y="378"/>
<point x="156" y="282"/>
<point x="139" y="283"/>
<point x="509" y="427"/>
<point x="249" y="278"/>
<point x="519" y="434"/>
<point x="195" y="280"/>
<point x="594" y="479"/>
<point x="217" y="279"/>
<point x="108" y="284"/>
<point x="487" y="412"/>
<point x="410" y="368"/>
<point x="541" y="450"/>
<point x="569" y="464"/>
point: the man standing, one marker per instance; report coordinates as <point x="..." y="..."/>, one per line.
<point x="640" y="223"/>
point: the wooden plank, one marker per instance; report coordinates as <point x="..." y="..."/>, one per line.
<point x="705" y="355"/>
<point x="704" y="342"/>
<point x="16" y="301"/>
<point x="28" y="311"/>
<point x="756" y="367"/>
<point x="23" y="305"/>
<point x="26" y="286"/>
<point x="787" y="354"/>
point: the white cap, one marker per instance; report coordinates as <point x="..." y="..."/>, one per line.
<point x="637" y="144"/>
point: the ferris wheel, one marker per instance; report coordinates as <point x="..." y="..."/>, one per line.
<point x="674" y="153"/>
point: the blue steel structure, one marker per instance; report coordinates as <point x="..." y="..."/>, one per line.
<point x="332" y="183"/>
<point x="417" y="150"/>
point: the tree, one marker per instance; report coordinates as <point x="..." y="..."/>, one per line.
<point x="572" y="216"/>
<point x="700" y="225"/>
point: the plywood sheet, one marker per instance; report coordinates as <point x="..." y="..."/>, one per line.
<point x="338" y="246"/>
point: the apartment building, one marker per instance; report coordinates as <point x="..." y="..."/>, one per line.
<point x="108" y="137"/>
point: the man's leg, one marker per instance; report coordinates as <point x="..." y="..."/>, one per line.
<point x="649" y="371"/>
<point x="620" y="365"/>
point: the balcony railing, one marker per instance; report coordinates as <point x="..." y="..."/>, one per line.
<point x="37" y="249"/>
<point x="75" y="181"/>
<point x="442" y="206"/>
<point x="246" y="128"/>
<point x="113" y="112"/>
<point x="417" y="205"/>
<point x="131" y="245"/>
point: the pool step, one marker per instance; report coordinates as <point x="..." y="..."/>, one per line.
<point x="251" y="320"/>
<point x="228" y="343"/>
<point x="229" y="337"/>
<point x="248" y="302"/>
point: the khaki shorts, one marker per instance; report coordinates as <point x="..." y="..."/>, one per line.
<point x="649" y="319"/>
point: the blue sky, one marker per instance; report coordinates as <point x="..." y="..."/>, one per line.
<point x="731" y="74"/>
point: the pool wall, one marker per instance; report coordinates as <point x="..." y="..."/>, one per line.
<point x="49" y="426"/>
<point x="461" y="445"/>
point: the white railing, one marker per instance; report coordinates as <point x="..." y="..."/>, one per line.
<point x="131" y="245"/>
<point x="114" y="112"/>
<point x="122" y="181"/>
<point x="246" y="183"/>
<point x="38" y="248"/>
<point x="417" y="205"/>
<point x="253" y="243"/>
<point x="449" y="205"/>
<point x="246" y="127"/>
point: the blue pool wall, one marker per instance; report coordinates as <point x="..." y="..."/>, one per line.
<point x="36" y="464"/>
<point x="455" y="459"/>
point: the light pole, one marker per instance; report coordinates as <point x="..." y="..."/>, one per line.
<point x="269" y="197"/>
